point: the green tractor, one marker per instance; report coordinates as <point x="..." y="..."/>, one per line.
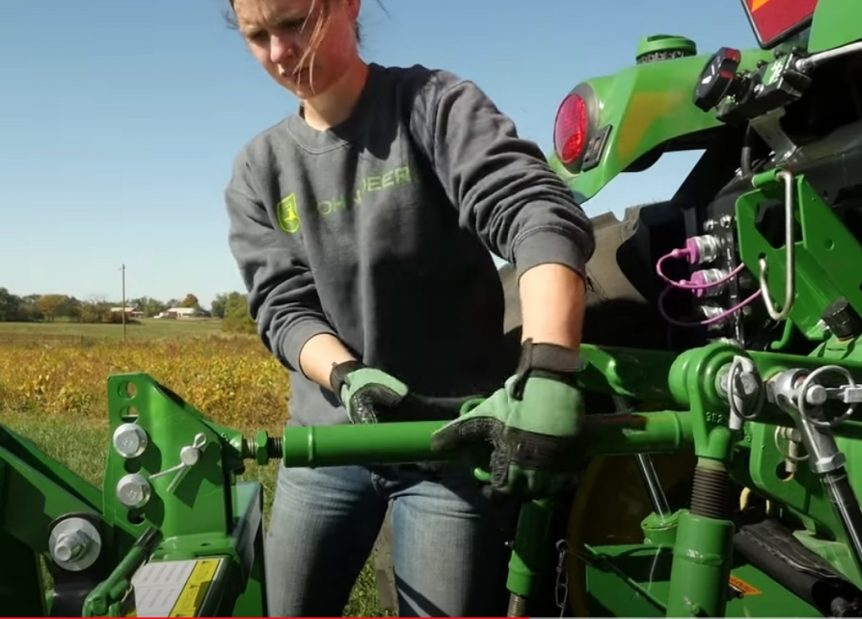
<point x="716" y="468"/>
<point x="753" y="280"/>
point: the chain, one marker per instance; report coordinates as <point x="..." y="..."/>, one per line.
<point x="561" y="589"/>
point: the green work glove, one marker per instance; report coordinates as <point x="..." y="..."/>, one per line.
<point x="365" y="391"/>
<point x="532" y="423"/>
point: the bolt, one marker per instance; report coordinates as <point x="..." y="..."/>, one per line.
<point x="130" y="440"/>
<point x="747" y="383"/>
<point x="133" y="491"/>
<point x="726" y="221"/>
<point x="74" y="544"/>
<point x="816" y="395"/>
<point x="709" y="225"/>
<point x="70" y="546"/>
<point x="261" y="447"/>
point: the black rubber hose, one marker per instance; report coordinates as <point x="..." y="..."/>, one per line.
<point x="772" y="549"/>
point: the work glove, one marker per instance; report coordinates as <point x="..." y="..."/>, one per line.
<point x="531" y="424"/>
<point x="365" y="391"/>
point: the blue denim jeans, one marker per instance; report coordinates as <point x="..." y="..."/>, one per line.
<point x="448" y="547"/>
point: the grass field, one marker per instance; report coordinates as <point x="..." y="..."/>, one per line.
<point x="72" y="332"/>
<point x="53" y="392"/>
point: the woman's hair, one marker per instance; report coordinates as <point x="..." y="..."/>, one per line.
<point x="323" y="11"/>
<point x="319" y="27"/>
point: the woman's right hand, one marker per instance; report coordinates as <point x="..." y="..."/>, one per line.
<point x="365" y="391"/>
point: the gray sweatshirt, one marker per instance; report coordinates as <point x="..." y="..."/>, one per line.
<point x="378" y="231"/>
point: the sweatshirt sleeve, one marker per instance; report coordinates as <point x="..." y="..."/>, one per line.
<point x="503" y="188"/>
<point x="282" y="296"/>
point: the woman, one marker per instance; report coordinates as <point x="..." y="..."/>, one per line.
<point x="362" y="227"/>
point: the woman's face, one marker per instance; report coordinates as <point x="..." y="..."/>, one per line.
<point x="280" y="34"/>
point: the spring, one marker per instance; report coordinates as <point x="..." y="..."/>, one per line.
<point x="709" y="494"/>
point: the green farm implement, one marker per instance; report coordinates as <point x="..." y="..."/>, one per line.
<point x="717" y="470"/>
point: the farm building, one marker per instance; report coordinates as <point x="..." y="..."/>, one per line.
<point x="180" y="313"/>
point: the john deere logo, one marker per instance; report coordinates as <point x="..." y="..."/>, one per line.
<point x="288" y="218"/>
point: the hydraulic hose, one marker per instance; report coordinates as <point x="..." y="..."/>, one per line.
<point x="844" y="503"/>
<point x="772" y="548"/>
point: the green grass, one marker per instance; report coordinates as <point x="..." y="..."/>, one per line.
<point x="72" y="332"/>
<point x="80" y="446"/>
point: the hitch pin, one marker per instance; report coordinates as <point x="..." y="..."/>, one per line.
<point x="189" y="456"/>
<point x="846" y="394"/>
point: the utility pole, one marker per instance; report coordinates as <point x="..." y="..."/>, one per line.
<point x="123" y="269"/>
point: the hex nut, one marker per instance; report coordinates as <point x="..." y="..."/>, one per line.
<point x="130" y="440"/>
<point x="133" y="490"/>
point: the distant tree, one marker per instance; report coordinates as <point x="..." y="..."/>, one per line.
<point x="219" y="305"/>
<point x="236" y="316"/>
<point x="154" y="307"/>
<point x="28" y="309"/>
<point x="190" y="300"/>
<point x="51" y="306"/>
<point x="71" y="309"/>
<point x="147" y="305"/>
<point x="10" y="305"/>
<point x="91" y="312"/>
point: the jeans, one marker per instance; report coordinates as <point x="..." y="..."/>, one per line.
<point x="448" y="544"/>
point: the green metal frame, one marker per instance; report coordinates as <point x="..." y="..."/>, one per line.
<point x="697" y="422"/>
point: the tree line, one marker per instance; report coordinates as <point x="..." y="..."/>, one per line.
<point x="231" y="307"/>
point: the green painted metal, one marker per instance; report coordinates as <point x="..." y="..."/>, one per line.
<point x="634" y="581"/>
<point x="529" y="547"/>
<point x="786" y="334"/>
<point x="384" y="443"/>
<point x="31" y="500"/>
<point x="634" y="373"/>
<point x="694" y="383"/>
<point x="665" y="43"/>
<point x="627" y="581"/>
<point x="835" y="23"/>
<point x="823" y="252"/>
<point x="758" y="595"/>
<point x="51" y="469"/>
<point x="107" y="597"/>
<point x="647" y="106"/>
<point x="21" y="585"/>
<point x="660" y="530"/>
<point x="197" y="504"/>
<point x="393" y="443"/>
<point x="627" y="433"/>
<point x="701" y="566"/>
<point x="251" y="601"/>
<point x="690" y="382"/>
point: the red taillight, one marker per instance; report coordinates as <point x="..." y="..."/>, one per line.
<point x="570" y="129"/>
<point x="775" y="20"/>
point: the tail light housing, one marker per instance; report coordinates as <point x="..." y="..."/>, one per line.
<point x="773" y="21"/>
<point x="571" y="127"/>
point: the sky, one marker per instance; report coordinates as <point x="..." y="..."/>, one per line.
<point x="119" y="119"/>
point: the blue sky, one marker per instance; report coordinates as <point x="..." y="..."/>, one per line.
<point x="119" y="119"/>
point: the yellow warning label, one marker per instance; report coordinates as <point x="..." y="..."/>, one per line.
<point x="194" y="591"/>
<point x="743" y="587"/>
